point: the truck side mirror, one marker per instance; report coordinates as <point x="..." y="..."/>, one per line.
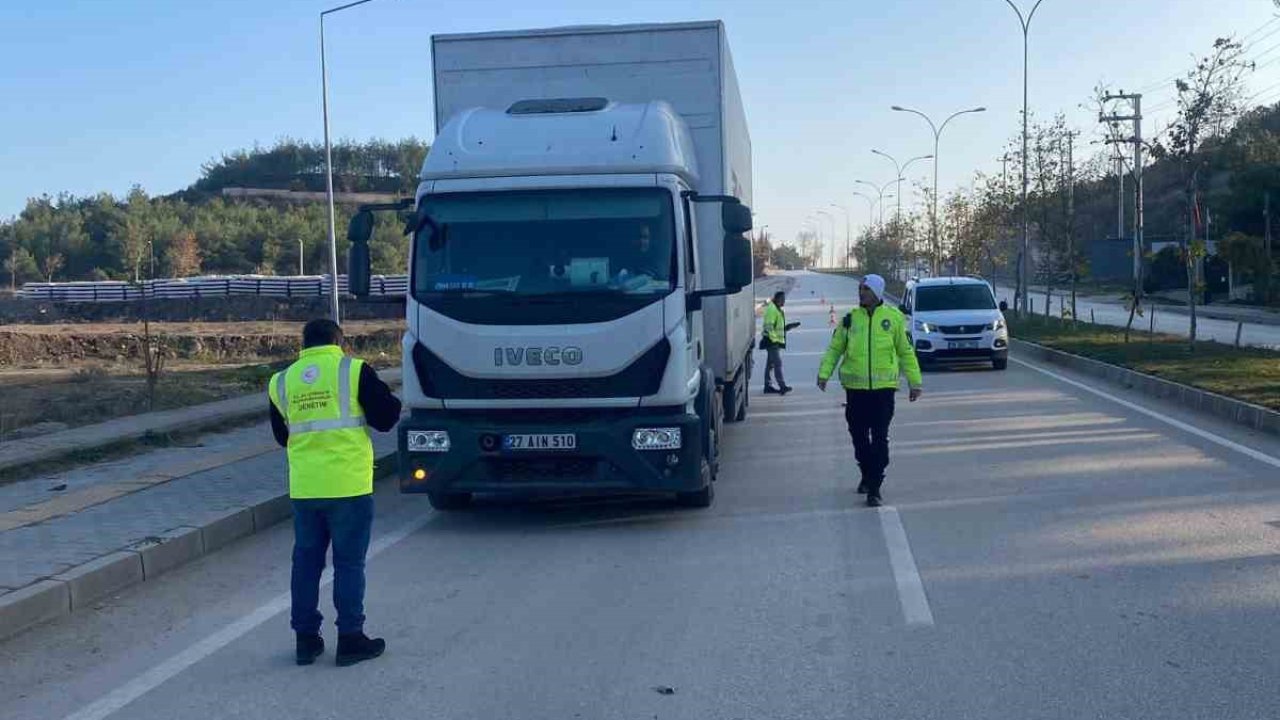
<point x="738" y="270"/>
<point x="736" y="218"/>
<point x="1004" y="306"/>
<point x="359" y="231"/>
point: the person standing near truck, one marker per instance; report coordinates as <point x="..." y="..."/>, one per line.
<point x="773" y="342"/>
<point x="321" y="409"/>
<point x="871" y="349"/>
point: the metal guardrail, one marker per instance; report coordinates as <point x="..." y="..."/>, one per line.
<point x="205" y="287"/>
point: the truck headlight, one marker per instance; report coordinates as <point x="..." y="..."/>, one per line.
<point x="656" y="439"/>
<point x="428" y="441"/>
<point x="924" y="327"/>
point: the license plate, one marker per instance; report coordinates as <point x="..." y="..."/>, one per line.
<point x="963" y="345"/>
<point x="560" y="441"/>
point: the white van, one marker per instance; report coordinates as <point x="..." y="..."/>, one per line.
<point x="956" y="319"/>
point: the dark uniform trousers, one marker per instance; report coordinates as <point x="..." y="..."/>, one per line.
<point x="869" y="413"/>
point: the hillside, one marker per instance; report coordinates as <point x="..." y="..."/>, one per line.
<point x="197" y="231"/>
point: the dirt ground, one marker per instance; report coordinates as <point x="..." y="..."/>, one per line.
<point x="73" y="346"/>
<point x="57" y="376"/>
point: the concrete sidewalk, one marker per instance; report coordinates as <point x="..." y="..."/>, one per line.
<point x="70" y="540"/>
<point x="30" y="451"/>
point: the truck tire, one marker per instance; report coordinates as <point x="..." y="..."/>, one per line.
<point x="447" y="502"/>
<point x="699" y="499"/>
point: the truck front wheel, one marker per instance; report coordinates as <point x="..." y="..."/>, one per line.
<point x="446" y="502"/>
<point x="699" y="498"/>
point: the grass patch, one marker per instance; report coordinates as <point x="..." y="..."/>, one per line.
<point x="1248" y="374"/>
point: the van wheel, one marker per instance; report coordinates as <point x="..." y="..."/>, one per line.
<point x="446" y="502"/>
<point x="1000" y="364"/>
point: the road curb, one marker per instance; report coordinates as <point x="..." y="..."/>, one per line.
<point x="52" y="452"/>
<point x="192" y="419"/>
<point x="82" y="585"/>
<point x="1249" y="415"/>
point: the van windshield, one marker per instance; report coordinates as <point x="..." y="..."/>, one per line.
<point x="954" y="297"/>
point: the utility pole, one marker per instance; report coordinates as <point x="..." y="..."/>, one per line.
<point x="1266" y="217"/>
<point x="1072" y="262"/>
<point x="1135" y="101"/>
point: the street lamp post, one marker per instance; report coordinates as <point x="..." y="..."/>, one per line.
<point x="871" y="208"/>
<point x="880" y="193"/>
<point x="1023" y="278"/>
<point x="937" y="141"/>
<point x="328" y="162"/>
<point x="848" y="232"/>
<point x="832" y="219"/>
<point x="901" y="171"/>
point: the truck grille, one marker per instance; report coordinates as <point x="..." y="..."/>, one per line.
<point x="643" y="377"/>
<point x="518" y="470"/>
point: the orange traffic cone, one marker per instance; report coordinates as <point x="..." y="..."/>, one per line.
<point x="832" y="319"/>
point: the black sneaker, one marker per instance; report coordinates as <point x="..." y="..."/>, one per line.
<point x="357" y="647"/>
<point x="785" y="389"/>
<point x="771" y="390"/>
<point x="309" y="647"/>
<point x="874" y="501"/>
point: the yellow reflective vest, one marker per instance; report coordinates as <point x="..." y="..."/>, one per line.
<point x="871" y="350"/>
<point x="330" y="453"/>
<point x="775" y="324"/>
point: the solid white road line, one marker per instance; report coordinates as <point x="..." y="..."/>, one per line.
<point x="112" y="702"/>
<point x="1205" y="434"/>
<point x="915" y="605"/>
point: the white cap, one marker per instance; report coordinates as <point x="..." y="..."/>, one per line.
<point x="876" y="283"/>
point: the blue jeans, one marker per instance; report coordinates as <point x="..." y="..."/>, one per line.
<point x="346" y="523"/>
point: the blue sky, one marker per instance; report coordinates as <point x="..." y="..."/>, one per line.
<point x="102" y="95"/>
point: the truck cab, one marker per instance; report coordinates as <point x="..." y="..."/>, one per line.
<point x="555" y="339"/>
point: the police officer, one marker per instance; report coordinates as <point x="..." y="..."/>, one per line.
<point x="321" y="408"/>
<point x="774" y="342"/>
<point x="872" y="349"/>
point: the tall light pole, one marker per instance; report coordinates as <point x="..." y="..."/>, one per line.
<point x="814" y="226"/>
<point x="832" y="219"/>
<point x="848" y="231"/>
<point x="328" y="162"/>
<point x="901" y="171"/>
<point x="871" y="209"/>
<point x="880" y="191"/>
<point x="937" y="141"/>
<point x="1024" y="281"/>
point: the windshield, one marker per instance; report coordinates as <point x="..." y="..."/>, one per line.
<point x="614" y="244"/>
<point x="954" y="297"/>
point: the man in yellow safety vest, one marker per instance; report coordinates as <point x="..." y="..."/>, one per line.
<point x="871" y="349"/>
<point x="321" y="409"/>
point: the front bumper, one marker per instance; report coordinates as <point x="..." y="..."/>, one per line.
<point x="603" y="461"/>
<point x="940" y="347"/>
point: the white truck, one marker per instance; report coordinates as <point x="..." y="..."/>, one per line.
<point x="580" y="317"/>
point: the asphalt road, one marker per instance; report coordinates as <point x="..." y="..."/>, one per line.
<point x="1048" y="553"/>
<point x="1166" y="321"/>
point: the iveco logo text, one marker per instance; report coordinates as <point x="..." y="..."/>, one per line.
<point x="537" y="356"/>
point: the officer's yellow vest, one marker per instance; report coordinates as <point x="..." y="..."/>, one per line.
<point x="775" y="324"/>
<point x="871" y="350"/>
<point x="330" y="454"/>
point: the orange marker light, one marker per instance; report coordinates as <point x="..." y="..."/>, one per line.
<point x="419" y="474"/>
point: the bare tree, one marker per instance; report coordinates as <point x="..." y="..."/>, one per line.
<point x="1210" y="98"/>
<point x="51" y="265"/>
